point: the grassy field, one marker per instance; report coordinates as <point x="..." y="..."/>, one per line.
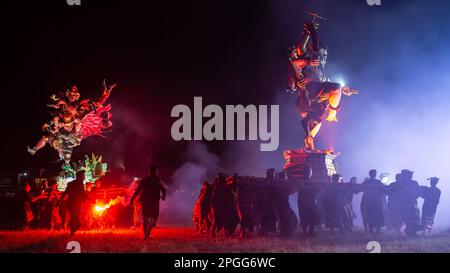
<point x="182" y="239"/>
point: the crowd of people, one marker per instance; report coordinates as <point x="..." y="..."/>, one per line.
<point x="76" y="206"/>
<point x="259" y="206"/>
<point x="265" y="207"/>
<point x="48" y="208"/>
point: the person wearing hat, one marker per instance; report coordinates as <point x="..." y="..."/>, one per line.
<point x="431" y="196"/>
<point x="27" y="199"/>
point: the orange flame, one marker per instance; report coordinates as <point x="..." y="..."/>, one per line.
<point x="100" y="208"/>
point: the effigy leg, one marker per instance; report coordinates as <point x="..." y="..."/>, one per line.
<point x="309" y="143"/>
<point x="315" y="129"/>
<point x="309" y="138"/>
<point x="311" y="127"/>
<point x="39" y="145"/>
<point x="332" y="92"/>
<point x="65" y="154"/>
<point x="334" y="100"/>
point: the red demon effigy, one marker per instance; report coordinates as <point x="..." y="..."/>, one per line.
<point x="74" y="120"/>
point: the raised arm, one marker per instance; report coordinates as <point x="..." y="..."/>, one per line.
<point x="309" y="34"/>
<point x="34" y="199"/>
<point x="306" y="36"/>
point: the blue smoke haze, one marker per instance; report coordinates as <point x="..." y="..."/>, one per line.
<point x="396" y="55"/>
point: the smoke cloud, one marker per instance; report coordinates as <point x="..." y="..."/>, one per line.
<point x="395" y="56"/>
<point x="200" y="165"/>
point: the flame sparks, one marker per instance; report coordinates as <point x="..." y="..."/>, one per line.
<point x="101" y="208"/>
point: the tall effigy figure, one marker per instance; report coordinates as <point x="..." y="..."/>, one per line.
<point x="74" y="120"/>
<point x="318" y="99"/>
<point x="317" y="95"/>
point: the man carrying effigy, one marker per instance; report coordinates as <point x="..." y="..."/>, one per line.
<point x="308" y="203"/>
<point x="431" y="196"/>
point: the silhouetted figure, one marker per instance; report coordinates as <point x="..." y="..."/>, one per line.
<point x="75" y="197"/>
<point x="42" y="206"/>
<point x="88" y="206"/>
<point x="202" y="218"/>
<point x="394" y="203"/>
<point x="431" y="196"/>
<point x="363" y="211"/>
<point x="247" y="209"/>
<point x="409" y="192"/>
<point x="266" y="204"/>
<point x="373" y="202"/>
<point x="349" y="192"/>
<point x="218" y="204"/>
<point x="26" y="200"/>
<point x="384" y="178"/>
<point x="334" y="205"/>
<point x="288" y="219"/>
<point x="151" y="191"/>
<point x="53" y="197"/>
<point x="230" y="204"/>
<point x="308" y="208"/>
<point x="64" y="213"/>
<point x="137" y="208"/>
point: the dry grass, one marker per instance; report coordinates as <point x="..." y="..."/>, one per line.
<point x="182" y="239"/>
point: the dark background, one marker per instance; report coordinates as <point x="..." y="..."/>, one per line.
<point x="161" y="53"/>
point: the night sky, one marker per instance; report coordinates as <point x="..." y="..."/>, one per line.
<point x="162" y="53"/>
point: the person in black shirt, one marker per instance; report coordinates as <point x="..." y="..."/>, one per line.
<point x="27" y="200"/>
<point x="409" y="192"/>
<point x="151" y="190"/>
<point x="373" y="202"/>
<point x="247" y="208"/>
<point x="287" y="219"/>
<point x="308" y="203"/>
<point x="266" y="204"/>
<point x="53" y="197"/>
<point x="394" y="203"/>
<point x="75" y="197"/>
<point x="218" y="200"/>
<point x="202" y="209"/>
<point x="350" y="191"/>
<point x="334" y="205"/>
<point x="231" y="207"/>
